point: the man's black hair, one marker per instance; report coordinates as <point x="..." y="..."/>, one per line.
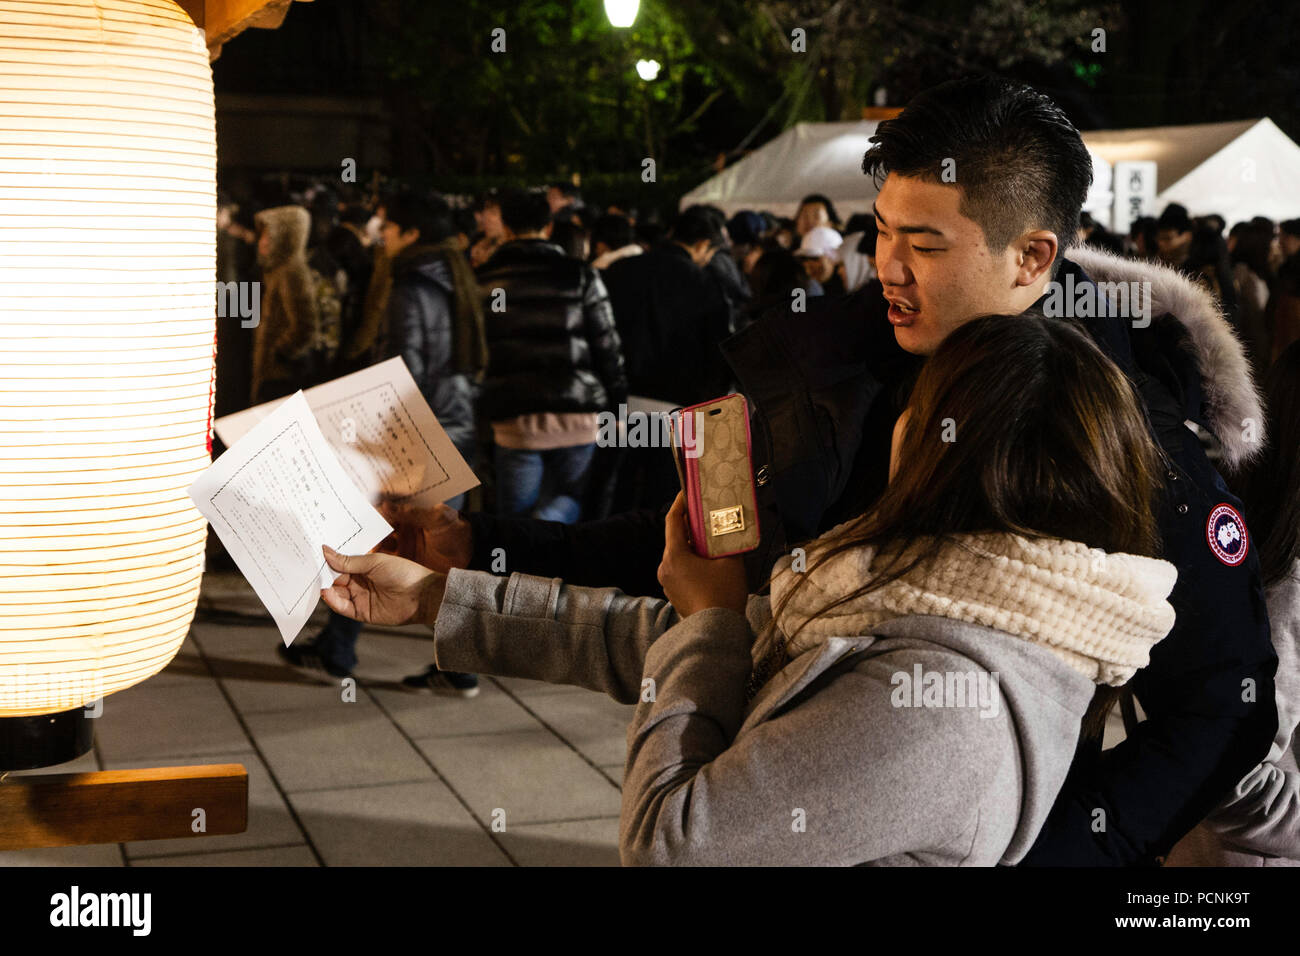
<point x="858" y="222"/>
<point x="870" y="233"/>
<point x="831" y="214"/>
<point x="483" y="200"/>
<point x="429" y="214"/>
<point x="1175" y="217"/>
<point x="570" y="237"/>
<point x="695" y="223"/>
<point x="1017" y="158"/>
<point x="1215" y="221"/>
<point x="568" y="190"/>
<point x="613" y="230"/>
<point x="1291" y="227"/>
<point x="525" y="211"/>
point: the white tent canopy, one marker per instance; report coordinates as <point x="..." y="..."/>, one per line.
<point x="808" y="158"/>
<point x="1239" y="169"/>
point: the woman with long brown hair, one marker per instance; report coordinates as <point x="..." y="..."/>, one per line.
<point x="914" y="687"/>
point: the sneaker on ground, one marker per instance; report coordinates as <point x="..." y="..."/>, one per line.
<point x="447" y="683"/>
<point x="306" y="657"/>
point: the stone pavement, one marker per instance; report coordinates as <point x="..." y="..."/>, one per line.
<point x="395" y="778"/>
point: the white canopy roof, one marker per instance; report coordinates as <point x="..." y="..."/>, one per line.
<point x="1238" y="169"/>
<point x="808" y="158"/>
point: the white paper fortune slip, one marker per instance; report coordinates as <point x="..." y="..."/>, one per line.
<point x="384" y="433"/>
<point x="274" y="499"/>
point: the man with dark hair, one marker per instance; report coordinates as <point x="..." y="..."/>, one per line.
<point x="989" y="239"/>
<point x="981" y="184"/>
<point x="671" y="314"/>
<point x="723" y="269"/>
<point x="815" y="210"/>
<point x="348" y="245"/>
<point x="613" y="238"/>
<point x="556" y="362"/>
<point x="1174" y="235"/>
<point x="564" y="200"/>
<point x="1142" y="235"/>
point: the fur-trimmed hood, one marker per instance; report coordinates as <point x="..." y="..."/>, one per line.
<point x="289" y="228"/>
<point x="1231" y="398"/>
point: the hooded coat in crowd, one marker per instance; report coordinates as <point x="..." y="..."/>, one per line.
<point x="285" y="340"/>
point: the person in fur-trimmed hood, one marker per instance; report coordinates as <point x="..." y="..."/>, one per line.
<point x="286" y="334"/>
<point x="981" y="180"/>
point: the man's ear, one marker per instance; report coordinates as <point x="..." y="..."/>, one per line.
<point x="1037" y="252"/>
<point x="413" y="234"/>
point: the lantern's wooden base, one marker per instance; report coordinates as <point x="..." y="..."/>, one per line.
<point x="119" y="806"/>
<point x="45" y="739"/>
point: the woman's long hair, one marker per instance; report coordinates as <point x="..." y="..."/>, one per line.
<point x="1020" y="424"/>
<point x="1269" y="486"/>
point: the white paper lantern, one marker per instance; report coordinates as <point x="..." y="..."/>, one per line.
<point x="107" y="270"/>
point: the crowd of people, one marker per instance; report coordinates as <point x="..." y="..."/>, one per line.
<point x="1076" y="539"/>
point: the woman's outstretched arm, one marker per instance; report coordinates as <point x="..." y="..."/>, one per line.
<point x="543" y="629"/>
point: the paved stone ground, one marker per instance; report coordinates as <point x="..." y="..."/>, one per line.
<point x="395" y="778"/>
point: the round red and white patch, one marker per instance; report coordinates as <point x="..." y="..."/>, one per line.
<point x="1225" y="530"/>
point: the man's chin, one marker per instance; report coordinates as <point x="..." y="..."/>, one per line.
<point x="911" y="339"/>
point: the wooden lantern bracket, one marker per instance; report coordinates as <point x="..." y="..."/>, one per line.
<point x="122" y="806"/>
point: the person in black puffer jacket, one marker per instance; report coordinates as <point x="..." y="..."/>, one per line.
<point x="555" y="362"/>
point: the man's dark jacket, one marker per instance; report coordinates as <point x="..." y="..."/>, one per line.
<point x="420" y="329"/>
<point x="671" y="316"/>
<point x="826" y="394"/>
<point x="552" y="343"/>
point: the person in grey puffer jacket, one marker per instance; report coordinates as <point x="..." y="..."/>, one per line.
<point x="916" y="692"/>
<point x="435" y="313"/>
<point x="436" y="326"/>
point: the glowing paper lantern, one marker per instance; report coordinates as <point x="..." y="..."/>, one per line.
<point x="107" y="266"/>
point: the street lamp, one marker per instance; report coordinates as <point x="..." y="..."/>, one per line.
<point x="621" y="13"/>
<point x="647" y="69"/>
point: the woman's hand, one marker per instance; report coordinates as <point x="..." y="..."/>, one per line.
<point x="438" y="537"/>
<point x="693" y="583"/>
<point x="383" y="589"/>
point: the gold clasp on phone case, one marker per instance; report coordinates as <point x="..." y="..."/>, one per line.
<point x="726" y="520"/>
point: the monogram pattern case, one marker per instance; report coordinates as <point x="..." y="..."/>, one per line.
<point x="712" y="449"/>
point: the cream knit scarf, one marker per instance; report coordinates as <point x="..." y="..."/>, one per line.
<point x="1100" y="613"/>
